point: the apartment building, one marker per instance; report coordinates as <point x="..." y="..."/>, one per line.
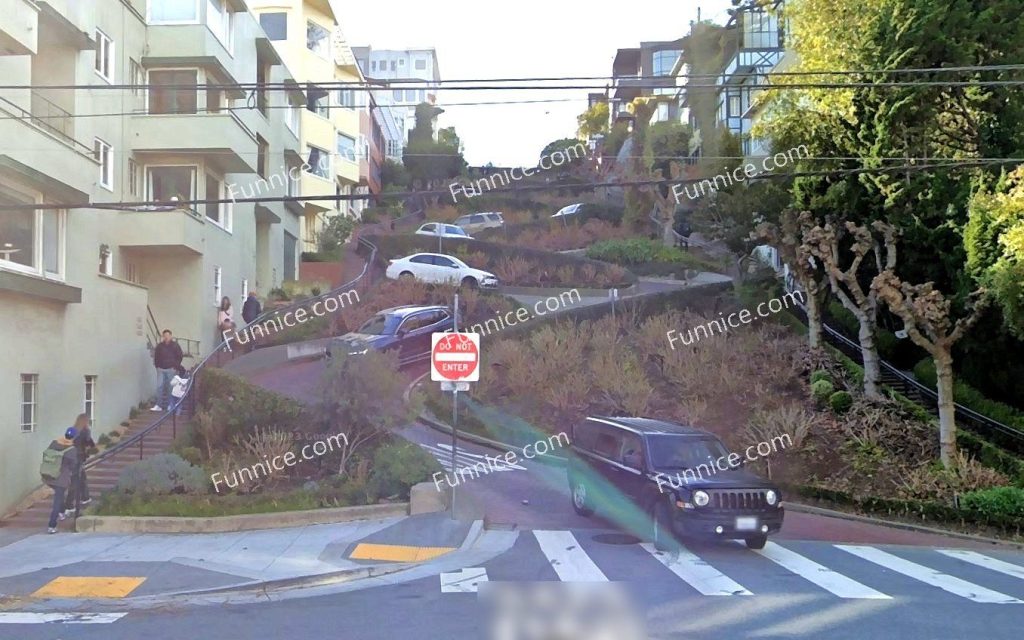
<point x="646" y="71"/>
<point x="306" y="35"/>
<point x="85" y="284"/>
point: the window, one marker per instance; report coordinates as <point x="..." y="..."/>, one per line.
<point x="318" y="39"/>
<point x="133" y="177"/>
<point x="760" y="30"/>
<point x="173" y="12"/>
<point x="217" y="288"/>
<point x="29" y="393"/>
<point x="347" y="147"/>
<point x="291" y="118"/>
<point x="275" y="25"/>
<point x="220" y="21"/>
<point x="262" y="99"/>
<point x="410" y="95"/>
<point x="245" y="289"/>
<point x="664" y="61"/>
<point x="171" y="184"/>
<point x="292" y="183"/>
<point x="401" y="62"/>
<point x="373" y="65"/>
<point x="106" y="260"/>
<point x="214" y="98"/>
<point x="262" y="157"/>
<point x="89" y="406"/>
<point x="319" y="162"/>
<point x="421" y="64"/>
<point x="423" y="96"/>
<point x="104" y="56"/>
<point x="346" y="98"/>
<point x="396" y="94"/>
<point x="138" y="77"/>
<point x="31" y="241"/>
<point x="216" y="212"/>
<point x="172" y="91"/>
<point x="52" y="239"/>
<point x="318" y="101"/>
<point x="104" y="154"/>
<point x="421" y="260"/>
<point x="441" y="261"/>
<point x="290" y="253"/>
<point x="393" y="67"/>
<point x="735" y="104"/>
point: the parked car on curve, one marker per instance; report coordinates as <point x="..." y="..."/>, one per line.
<point x="478" y="221"/>
<point x="406" y="330"/>
<point x="444" y="230"/>
<point x="665" y="471"/>
<point x="569" y="210"/>
<point x="438" y="268"/>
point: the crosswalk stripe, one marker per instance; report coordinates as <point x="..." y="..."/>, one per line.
<point x="819" y="574"/>
<point x="499" y="460"/>
<point x="464" y="581"/>
<point x="697" y="573"/>
<point x="567" y="557"/>
<point x="929" y="576"/>
<point x="25" y="617"/>
<point x="466" y="462"/>
<point x="981" y="560"/>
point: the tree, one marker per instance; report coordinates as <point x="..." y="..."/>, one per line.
<point x="394" y="174"/>
<point x="927" y="318"/>
<point x="823" y="242"/>
<point x="430" y="161"/>
<point x="563" y="146"/>
<point x="362" y="397"/>
<point x="787" y="238"/>
<point x="593" y="121"/>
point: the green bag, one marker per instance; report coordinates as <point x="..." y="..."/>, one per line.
<point x="52" y="461"/>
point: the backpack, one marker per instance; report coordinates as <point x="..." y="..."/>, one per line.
<point x="52" y="462"/>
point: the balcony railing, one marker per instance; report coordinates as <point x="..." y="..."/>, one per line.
<point x="50" y="118"/>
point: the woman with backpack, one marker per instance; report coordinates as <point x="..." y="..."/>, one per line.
<point x="60" y="463"/>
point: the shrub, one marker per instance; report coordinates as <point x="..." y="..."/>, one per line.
<point x="397" y="467"/>
<point x="278" y="294"/>
<point x="103" y="440"/>
<point x="821" y="391"/>
<point x="133" y="413"/>
<point x="165" y="473"/>
<point x="821" y="374"/>
<point x="1005" y="502"/>
<point x="232" y="406"/>
<point x="192" y="455"/>
<point x="840" y="401"/>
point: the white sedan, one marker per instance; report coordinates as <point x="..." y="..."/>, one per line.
<point x="439" y="269"/>
<point x="443" y="230"/>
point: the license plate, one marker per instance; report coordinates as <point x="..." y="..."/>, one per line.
<point x="746" y="524"/>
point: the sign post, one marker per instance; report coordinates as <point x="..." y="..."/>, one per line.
<point x="455" y="362"/>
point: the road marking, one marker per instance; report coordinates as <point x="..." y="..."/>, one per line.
<point x="464" y="581"/>
<point x="89" y="587"/>
<point x="697" y="573"/>
<point x="22" y="617"/>
<point x="499" y="460"/>
<point x="567" y="557"/>
<point x="981" y="560"/>
<point x="819" y="574"/>
<point x="929" y="576"/>
<point x="468" y="461"/>
<point x="396" y="552"/>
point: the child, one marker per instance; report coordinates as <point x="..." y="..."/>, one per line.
<point x="179" y="387"/>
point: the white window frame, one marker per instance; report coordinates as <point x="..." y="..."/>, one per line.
<point x="109" y="271"/>
<point x="327" y="54"/>
<point x="228" y="37"/>
<point x="38" y="269"/>
<point x="326" y="154"/>
<point x="197" y="20"/>
<point x="149" y="179"/>
<point x="105" y="154"/>
<point x="105" y="58"/>
<point x="218" y="282"/>
<point x="137" y="77"/>
<point x="33" y="382"/>
<point x="355" y="147"/>
<point x="225" y="209"/>
<point x="200" y="80"/>
<point x="292" y="113"/>
<point x="245" y="289"/>
<point x="89" y="397"/>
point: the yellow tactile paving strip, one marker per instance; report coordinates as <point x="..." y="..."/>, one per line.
<point x="88" y="587"/>
<point x="396" y="552"/>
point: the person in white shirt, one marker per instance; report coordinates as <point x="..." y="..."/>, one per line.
<point x="179" y="386"/>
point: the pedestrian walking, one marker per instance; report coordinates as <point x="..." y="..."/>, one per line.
<point x="167" y="357"/>
<point x="179" y="387"/>
<point x="225" y="319"/>
<point x="60" y="461"/>
<point x="252" y="308"/>
<point x="79" y="488"/>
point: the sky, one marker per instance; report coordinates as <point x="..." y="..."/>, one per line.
<point x="527" y="38"/>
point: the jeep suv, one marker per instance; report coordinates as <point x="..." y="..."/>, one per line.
<point x="677" y="478"/>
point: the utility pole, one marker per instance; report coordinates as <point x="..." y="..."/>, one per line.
<point x="455" y="404"/>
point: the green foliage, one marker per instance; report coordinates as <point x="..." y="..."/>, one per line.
<point x="165" y="473"/>
<point x="1000" y="502"/>
<point x="427" y="160"/>
<point x="397" y="466"/>
<point x="233" y="406"/>
<point x="645" y="252"/>
<point x="394" y="174"/>
<point x="821" y="374"/>
<point x="192" y="455"/>
<point x="335" y="233"/>
<point x="563" y="147"/>
<point x="733" y="213"/>
<point x="840" y="401"/>
<point x="593" y="121"/>
<point x="278" y="294"/>
<point x="970" y="397"/>
<point x="615" y="139"/>
<point x="207" y="506"/>
<point x="821" y="391"/>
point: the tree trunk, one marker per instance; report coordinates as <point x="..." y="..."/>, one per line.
<point x="869" y="352"/>
<point x="947" y="411"/>
<point x="813" y="322"/>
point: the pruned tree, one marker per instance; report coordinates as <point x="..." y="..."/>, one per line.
<point x="927" y="318"/>
<point x="824" y="243"/>
<point x="787" y="238"/>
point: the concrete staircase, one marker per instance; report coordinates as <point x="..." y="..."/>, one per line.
<point x="104" y="476"/>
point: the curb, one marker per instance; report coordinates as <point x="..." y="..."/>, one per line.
<point x="246" y="522"/>
<point x="549" y="291"/>
<point x="843" y="515"/>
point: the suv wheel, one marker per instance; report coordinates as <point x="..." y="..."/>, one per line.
<point x="579" y="500"/>
<point x="662" y="536"/>
<point x="757" y="542"/>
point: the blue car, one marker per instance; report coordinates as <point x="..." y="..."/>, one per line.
<point x="406" y="330"/>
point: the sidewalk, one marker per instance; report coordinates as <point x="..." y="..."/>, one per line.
<point x="126" y="567"/>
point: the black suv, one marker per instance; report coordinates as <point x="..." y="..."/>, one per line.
<point x="669" y="477"/>
<point x="406" y="330"/>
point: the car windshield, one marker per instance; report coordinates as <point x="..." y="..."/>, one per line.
<point x="455" y="231"/>
<point x="382" y="324"/>
<point x="684" y="452"/>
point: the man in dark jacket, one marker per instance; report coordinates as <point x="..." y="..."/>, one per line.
<point x="251" y="309"/>
<point x="61" y="482"/>
<point x="79" y="485"/>
<point x="167" y="357"/>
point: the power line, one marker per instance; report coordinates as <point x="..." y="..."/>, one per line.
<point x="179" y="204"/>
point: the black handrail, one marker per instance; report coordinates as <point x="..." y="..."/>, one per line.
<point x="138" y="438"/>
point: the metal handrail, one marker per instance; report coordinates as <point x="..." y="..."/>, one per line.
<point x="139" y="437"/>
<point x="42" y="122"/>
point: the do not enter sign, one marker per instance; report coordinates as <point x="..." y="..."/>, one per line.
<point x="455" y="357"/>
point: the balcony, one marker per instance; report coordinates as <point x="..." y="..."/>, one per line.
<point x="190" y="45"/>
<point x="178" y="232"/>
<point x="221" y="139"/>
<point x="19" y="28"/>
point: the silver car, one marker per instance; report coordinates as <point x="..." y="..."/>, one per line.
<point x="479" y="221"/>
